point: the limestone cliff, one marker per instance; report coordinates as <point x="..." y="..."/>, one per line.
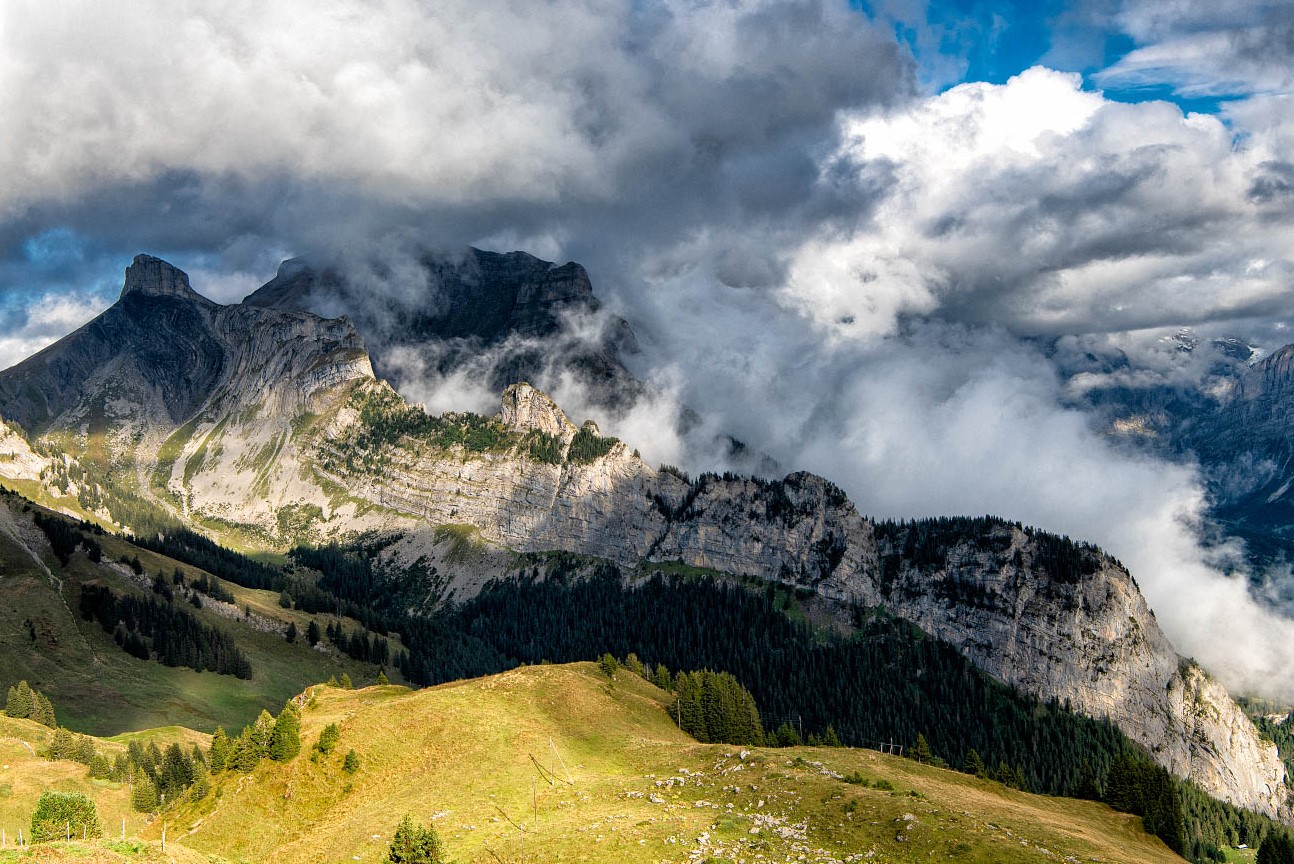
<point x="270" y="423"/>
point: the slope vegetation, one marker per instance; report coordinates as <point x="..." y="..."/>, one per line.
<point x="558" y="763"/>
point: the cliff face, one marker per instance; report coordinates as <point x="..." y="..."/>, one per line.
<point x="270" y="422"/>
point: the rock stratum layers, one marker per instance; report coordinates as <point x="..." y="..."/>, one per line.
<point x="270" y="423"/>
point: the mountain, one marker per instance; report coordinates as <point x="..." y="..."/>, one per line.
<point x="558" y="763"/>
<point x="267" y="427"/>
<point x="1232" y="418"/>
<point x="501" y="317"/>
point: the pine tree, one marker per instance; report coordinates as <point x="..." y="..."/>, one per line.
<point x="328" y="738"/>
<point x="43" y="710"/>
<point x="830" y="738"/>
<point x="351" y="763"/>
<point x="1276" y="848"/>
<point x="345" y="682"/>
<point x="285" y="740"/>
<point x="291" y="634"/>
<point x="921" y="749"/>
<point x="144" y="796"/>
<point x="21" y="701"/>
<point x="381" y="677"/>
<point x="218" y="755"/>
<point x="414" y="844"/>
<point x="312" y="633"/>
<point x="974" y="765"/>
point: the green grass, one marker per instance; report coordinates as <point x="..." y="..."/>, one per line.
<point x="592" y="770"/>
<point x="97" y="688"/>
<point x="630" y="787"/>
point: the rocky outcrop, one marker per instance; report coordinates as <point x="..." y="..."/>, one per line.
<point x="271" y="420"/>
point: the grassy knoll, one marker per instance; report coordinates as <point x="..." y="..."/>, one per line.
<point x="459" y="757"/>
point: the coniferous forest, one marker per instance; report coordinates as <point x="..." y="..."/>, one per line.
<point x="884" y="683"/>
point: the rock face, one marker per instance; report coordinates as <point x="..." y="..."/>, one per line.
<point x="500" y="317"/>
<point x="272" y="423"/>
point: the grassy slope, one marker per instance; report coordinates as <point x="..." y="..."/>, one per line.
<point x="97" y="688"/>
<point x="458" y="756"/>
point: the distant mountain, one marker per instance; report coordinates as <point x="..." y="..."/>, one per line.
<point x="505" y="317"/>
<point x="266" y="427"/>
<point x="1235" y="420"/>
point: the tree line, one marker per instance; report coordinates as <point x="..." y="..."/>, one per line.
<point x="154" y="626"/>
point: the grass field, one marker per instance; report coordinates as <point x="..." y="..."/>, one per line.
<point x="97" y="688"/>
<point x="474" y="760"/>
<point x="560" y="764"/>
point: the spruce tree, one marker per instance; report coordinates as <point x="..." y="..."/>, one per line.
<point x="285" y="740"/>
<point x="414" y="844"/>
<point x="43" y="710"/>
<point x="312" y="633"/>
<point x="381" y="677"/>
<point x="218" y="755"/>
<point x="921" y="749"/>
<point x="21" y="701"/>
<point x="328" y="738"/>
<point x="345" y="682"/>
<point x="351" y="763"/>
<point x="144" y="796"/>
<point x="974" y="765"/>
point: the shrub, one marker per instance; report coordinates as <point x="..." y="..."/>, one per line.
<point x="58" y="814"/>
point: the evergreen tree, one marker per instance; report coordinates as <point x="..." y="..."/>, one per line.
<point x="58" y="814"/>
<point x="175" y="774"/>
<point x="259" y="733"/>
<point x="218" y="755"/>
<point x="830" y="738"/>
<point x="920" y="750"/>
<point x="285" y="740"/>
<point x="244" y="755"/>
<point x="351" y="763"/>
<point x="43" y="711"/>
<point x="328" y="739"/>
<point x="973" y="765"/>
<point x="381" y="677"/>
<point x="345" y="682"/>
<point x="312" y="633"/>
<point x="414" y="844"/>
<point x="63" y="745"/>
<point x="144" y="796"/>
<point x="608" y="665"/>
<point x="21" y="701"/>
<point x="1276" y="848"/>
<point x="291" y="634"/>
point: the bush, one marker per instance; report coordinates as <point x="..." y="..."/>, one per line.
<point x="58" y="814"/>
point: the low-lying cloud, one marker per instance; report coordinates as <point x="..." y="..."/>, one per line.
<point x="847" y="277"/>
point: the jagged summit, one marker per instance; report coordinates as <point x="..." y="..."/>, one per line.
<point x="152" y="277"/>
<point x="525" y="408"/>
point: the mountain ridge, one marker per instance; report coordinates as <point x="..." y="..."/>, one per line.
<point x="294" y="438"/>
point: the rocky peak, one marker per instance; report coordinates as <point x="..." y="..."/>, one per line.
<point x="153" y="277"/>
<point x="526" y="409"/>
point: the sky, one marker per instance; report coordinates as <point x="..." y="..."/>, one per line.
<point x="845" y="228"/>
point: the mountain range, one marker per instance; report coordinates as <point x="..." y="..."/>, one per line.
<point x="266" y="425"/>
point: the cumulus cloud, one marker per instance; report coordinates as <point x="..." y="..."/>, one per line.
<point x="837" y="272"/>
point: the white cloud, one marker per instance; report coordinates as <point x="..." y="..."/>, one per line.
<point x="44" y="321"/>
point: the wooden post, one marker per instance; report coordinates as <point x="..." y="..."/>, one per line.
<point x="163" y="836"/>
<point x="67" y="831"/>
<point x="534" y="796"/>
<point x="123" y="829"/>
<point x="2" y="838"/>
